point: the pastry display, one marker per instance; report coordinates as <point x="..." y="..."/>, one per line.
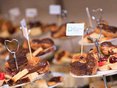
<point x="107" y="32"/>
<point x="89" y="63"/>
<point x="108" y="56"/>
<point x="41" y="46"/>
<point x="38" y="53"/>
<point x="29" y="68"/>
<point x="31" y="65"/>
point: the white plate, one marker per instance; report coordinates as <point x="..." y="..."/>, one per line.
<point x="99" y="74"/>
<point x="40" y="77"/>
<point x="89" y="44"/>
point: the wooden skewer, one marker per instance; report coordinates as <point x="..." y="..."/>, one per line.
<point x="20" y="75"/>
<point x="82" y="46"/>
<point x="30" y="49"/>
<point x="37" y="51"/>
<point x="89" y="17"/>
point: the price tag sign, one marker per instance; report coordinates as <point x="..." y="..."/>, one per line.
<point x="31" y="12"/>
<point x="75" y="29"/>
<point x="14" y="12"/>
<point x="55" y="9"/>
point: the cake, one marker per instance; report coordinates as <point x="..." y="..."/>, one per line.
<point x="32" y="64"/>
<point x="85" y="64"/>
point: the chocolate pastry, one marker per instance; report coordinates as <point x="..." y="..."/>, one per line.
<point x="21" y="59"/>
<point x="84" y="65"/>
<point x="44" y="43"/>
<point x="32" y="65"/>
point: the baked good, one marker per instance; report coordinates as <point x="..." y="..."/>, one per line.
<point x="107" y="48"/>
<point x="108" y="31"/>
<point x="113" y="61"/>
<point x="55" y="80"/>
<point x="44" y="43"/>
<point x="59" y="32"/>
<point x="62" y="57"/>
<point x="89" y="38"/>
<point x="32" y="64"/>
<point x="85" y="64"/>
<point x="21" y="59"/>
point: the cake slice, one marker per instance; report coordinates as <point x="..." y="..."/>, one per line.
<point x="85" y="64"/>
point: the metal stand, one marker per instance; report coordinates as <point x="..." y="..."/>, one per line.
<point x="105" y="82"/>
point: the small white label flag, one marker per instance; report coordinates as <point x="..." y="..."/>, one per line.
<point x="55" y="9"/>
<point x="24" y="29"/>
<point x="75" y="29"/>
<point x="31" y="12"/>
<point x="14" y="12"/>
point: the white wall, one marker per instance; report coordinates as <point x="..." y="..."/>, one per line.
<point x="76" y="8"/>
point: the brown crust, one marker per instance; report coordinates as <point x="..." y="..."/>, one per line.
<point x="44" y="43"/>
<point x="85" y="64"/>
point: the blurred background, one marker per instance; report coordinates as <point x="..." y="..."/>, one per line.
<point x="42" y="23"/>
<point x="76" y="9"/>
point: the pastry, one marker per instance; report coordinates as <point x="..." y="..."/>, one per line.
<point x="32" y="64"/>
<point x="55" y="80"/>
<point x="108" y="31"/>
<point x="44" y="43"/>
<point x="113" y="62"/>
<point x="63" y="57"/>
<point x="85" y="64"/>
<point x="60" y="32"/>
<point x="107" y="48"/>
